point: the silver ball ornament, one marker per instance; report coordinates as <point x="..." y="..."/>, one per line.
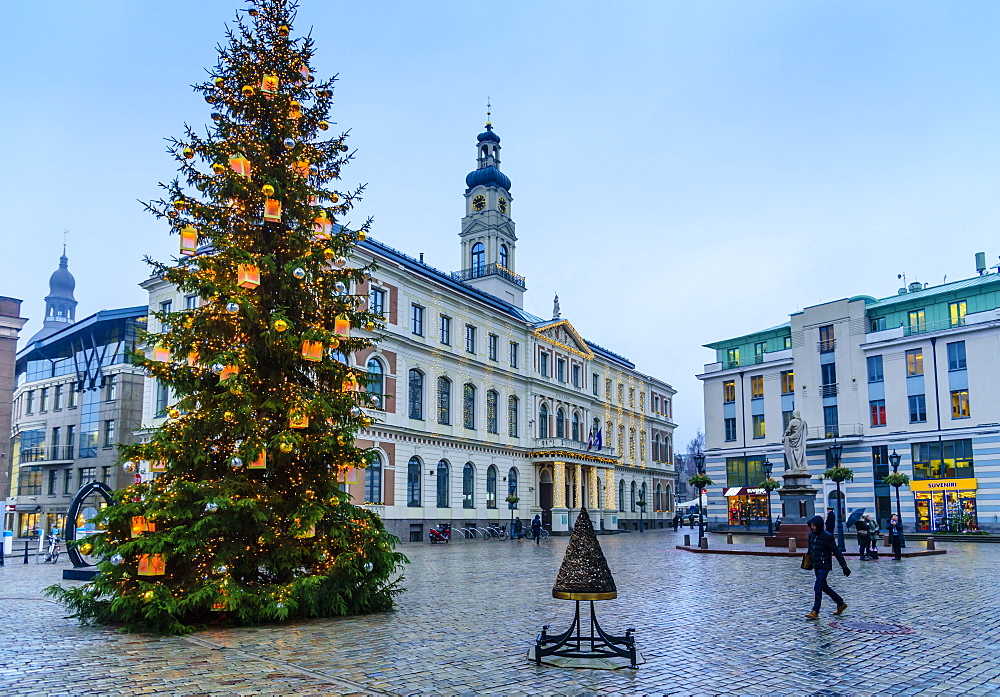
<point x="289" y="143"/>
<point x="232" y="307"/>
<point x="221" y="569"/>
<point x="236" y="463"/>
<point x="117" y="560"/>
<point x="367" y="274"/>
<point x="299" y="273"/>
<point x="369" y="566"/>
<point x="129" y="467"/>
<point x="355" y="412"/>
<point x="340" y="287"/>
<point x="217" y="368"/>
<point x="211" y="507"/>
<point x="313" y="170"/>
<point x="340" y="262"/>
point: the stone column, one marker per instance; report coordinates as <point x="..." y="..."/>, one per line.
<point x="578" y="498"/>
<point x="560" y="515"/>
<point x="594" y="504"/>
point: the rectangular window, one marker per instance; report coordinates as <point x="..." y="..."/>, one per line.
<point x="744" y="471"/>
<point x="915" y="321"/>
<point x="956" y="355"/>
<point x="53" y="481"/>
<point x="757" y="387"/>
<point x="960" y="404"/>
<point x="596" y="380"/>
<point x="915" y="362"/>
<point x="111" y="388"/>
<point x="786" y="416"/>
<point x="57" y="392"/>
<point x="109" y="433"/>
<point x="826" y="339"/>
<point x="43" y="400"/>
<point x="730" y="429"/>
<point x="561" y="370"/>
<point x="759" y="349"/>
<point x="513" y="354"/>
<point x="876" y="324"/>
<point x="956" y="313"/>
<point x="576" y="376"/>
<point x="68" y="481"/>
<point x="787" y="382"/>
<point x="786" y="342"/>
<point x="376" y="301"/>
<point x="166" y="306"/>
<point x="29" y="402"/>
<point x="543" y="364"/>
<point x="70" y="441"/>
<point x="656" y="404"/>
<point x="444" y="330"/>
<point x="493" y="346"/>
<point x="71" y="397"/>
<point x="162" y="397"/>
<point x="88" y="474"/>
<point x="918" y="409"/>
<point x="470" y="338"/>
<point x="758" y="425"/>
<point x="732" y="358"/>
<point x="417" y="320"/>
<point x="875" y="373"/>
<point x="190" y="302"/>
<point x="877" y="408"/>
<point x="950" y="459"/>
<point x="831" y="421"/>
<point x="621" y="393"/>
<point x="729" y="391"/>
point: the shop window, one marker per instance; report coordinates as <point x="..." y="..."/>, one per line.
<point x="949" y="459"/>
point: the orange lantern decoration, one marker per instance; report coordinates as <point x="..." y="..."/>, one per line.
<point x="312" y="350"/>
<point x="247" y="276"/>
<point x="342" y="326"/>
<point x="192" y="359"/>
<point x="308" y="532"/>
<point x="294" y="110"/>
<point x="158" y="466"/>
<point x="152" y="565"/>
<point x="221" y="605"/>
<point x="161" y="354"/>
<point x="298" y="419"/>
<point x="260" y="463"/>
<point x="272" y="210"/>
<point x="351" y="385"/>
<point x="301" y="168"/>
<point x="240" y="165"/>
<point x="228" y="371"/>
<point x="141" y="525"/>
<point x="189" y="240"/>
<point x="269" y="85"/>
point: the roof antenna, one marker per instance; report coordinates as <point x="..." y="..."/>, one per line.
<point x="489" y="124"/>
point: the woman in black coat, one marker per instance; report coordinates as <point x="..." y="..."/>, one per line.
<point x="822" y="550"/>
<point x="895" y="530"/>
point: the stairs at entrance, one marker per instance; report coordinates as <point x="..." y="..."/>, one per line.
<point x="780" y="539"/>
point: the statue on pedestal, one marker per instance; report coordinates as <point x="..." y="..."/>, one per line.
<point x="794" y="440"/>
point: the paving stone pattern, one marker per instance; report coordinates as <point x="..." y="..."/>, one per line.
<point x="706" y="624"/>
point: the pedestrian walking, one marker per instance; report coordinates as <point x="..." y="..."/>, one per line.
<point x="822" y="550"/>
<point x="677" y="521"/>
<point x="873" y="531"/>
<point x="536" y="529"/>
<point x="895" y="529"/>
<point x="831" y="520"/>
<point x="777" y="523"/>
<point x="863" y="540"/>
<point x="518" y="529"/>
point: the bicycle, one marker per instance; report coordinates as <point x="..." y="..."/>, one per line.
<point x="497" y="531"/>
<point x="52" y="551"/>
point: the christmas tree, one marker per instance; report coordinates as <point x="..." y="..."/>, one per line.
<point x="245" y="521"/>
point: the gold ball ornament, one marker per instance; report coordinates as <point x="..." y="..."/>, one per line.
<point x="370" y="326"/>
<point x="86" y="548"/>
<point x="362" y="235"/>
<point x="285" y="447"/>
<point x="219" y="82"/>
<point x="173" y="413"/>
<point x="188" y="153"/>
<point x="283" y="30"/>
<point x="334" y="198"/>
<point x="323" y="125"/>
<point x="180" y="204"/>
<point x="247" y="90"/>
<point x="267" y="190"/>
<point x="228" y="416"/>
<point x="218" y="168"/>
<point x="148" y="596"/>
<point x="280" y="325"/>
<point x="329" y="253"/>
<point x="334" y="342"/>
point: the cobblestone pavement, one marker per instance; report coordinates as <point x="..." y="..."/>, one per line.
<point x="706" y="624"/>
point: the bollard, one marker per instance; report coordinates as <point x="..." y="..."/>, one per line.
<point x="687" y="540"/>
<point x="885" y="540"/>
<point x="25" y="551"/>
<point x="729" y="538"/>
<point x="930" y="544"/>
<point x="703" y="543"/>
<point x="791" y="545"/>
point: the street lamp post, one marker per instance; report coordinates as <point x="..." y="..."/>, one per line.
<point x="836" y="451"/>
<point x="894" y="462"/>
<point x="768" y="467"/>
<point x="699" y="463"/>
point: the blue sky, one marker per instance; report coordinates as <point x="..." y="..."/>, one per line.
<point x="713" y="165"/>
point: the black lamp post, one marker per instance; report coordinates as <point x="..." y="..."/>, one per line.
<point x="894" y="461"/>
<point x="699" y="463"/>
<point x="767" y="466"/>
<point x="835" y="452"/>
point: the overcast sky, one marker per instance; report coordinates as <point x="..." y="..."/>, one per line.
<point x="682" y="172"/>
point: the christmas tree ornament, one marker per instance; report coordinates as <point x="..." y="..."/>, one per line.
<point x="340" y="262"/>
<point x="279" y="325"/>
<point x="313" y="170"/>
<point x="369" y="566"/>
<point x="367" y="274"/>
<point x="180" y="204"/>
<point x="247" y="90"/>
<point x="216" y="116"/>
<point x="355" y="412"/>
<point x="218" y="168"/>
<point x="116" y="560"/>
<point x="340" y="287"/>
<point x="362" y="235"/>
<point x="312" y="350"/>
<point x="189" y="240"/>
<point x="321" y="226"/>
<point x="210" y="98"/>
<point x="211" y="507"/>
<point x="188" y="153"/>
<point x="283" y="30"/>
<point x="129" y="467"/>
<point x="334" y="198"/>
<point x="272" y="210"/>
<point x="334" y="343"/>
<point x="232" y="307"/>
<point x="219" y="82"/>
<point x="285" y="447"/>
<point x="298" y="419"/>
<point x="252" y="12"/>
<point x="289" y="143"/>
<point x="294" y="110"/>
<point x="375" y="400"/>
<point x="260" y="462"/>
<point x="323" y="125"/>
<point x="161" y="354"/>
<point x="139" y="525"/>
<point x="342" y="326"/>
<point x="301" y="168"/>
<point x="247" y="276"/>
<point x="158" y="466"/>
<point x="236" y="462"/>
<point x="370" y="326"/>
<point x="228" y="416"/>
<point x="148" y="596"/>
<point x="221" y="569"/>
<point x="329" y="253"/>
<point x="86" y="548"/>
<point x="299" y="272"/>
<point x="173" y="413"/>
<point x="228" y="372"/>
<point x="240" y="165"/>
<point x="359" y="303"/>
<point x="217" y="368"/>
<point x="269" y="85"/>
<point x="267" y="190"/>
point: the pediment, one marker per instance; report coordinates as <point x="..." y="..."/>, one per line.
<point x="561" y="333"/>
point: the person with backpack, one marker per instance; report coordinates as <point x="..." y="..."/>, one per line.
<point x="536" y="529"/>
<point x="822" y="550"/>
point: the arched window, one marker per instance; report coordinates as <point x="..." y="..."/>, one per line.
<point x="621" y="495"/>
<point x="443" y="485"/>
<point x="416" y="394"/>
<point x="469" y="405"/>
<point x="512" y="416"/>
<point x="512" y="481"/>
<point x="656" y="448"/>
<point x="491" y="487"/>
<point x="492" y="421"/>
<point x="632" y="499"/>
<point x="504" y="257"/>
<point x="543" y="421"/>
<point x="486" y="151"/>
<point x="469" y="486"/>
<point x="444" y="401"/>
<point x="576" y="426"/>
<point x="373" y="480"/>
<point x="658" y="500"/>
<point x="560" y="424"/>
<point x="478" y="258"/>
<point x="413" y="482"/>
<point x="642" y="493"/>
<point x="376" y="381"/>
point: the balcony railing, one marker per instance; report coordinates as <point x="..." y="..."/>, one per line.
<point x="826" y="345"/>
<point x="827" y="390"/>
<point x="570" y="444"/>
<point x="935" y="326"/>
<point x="488" y="270"/>
<point x="51" y="453"/>
<point x="835" y="431"/>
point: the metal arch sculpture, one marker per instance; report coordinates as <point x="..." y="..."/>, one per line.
<point x="74" y="511"/>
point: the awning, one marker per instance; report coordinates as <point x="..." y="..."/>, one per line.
<point x="746" y="491"/>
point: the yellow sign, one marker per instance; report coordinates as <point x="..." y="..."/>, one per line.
<point x="944" y="485"/>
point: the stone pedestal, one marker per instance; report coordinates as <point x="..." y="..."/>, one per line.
<point x="798" y="498"/>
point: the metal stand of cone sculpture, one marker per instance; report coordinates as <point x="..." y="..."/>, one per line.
<point x="585" y="576"/>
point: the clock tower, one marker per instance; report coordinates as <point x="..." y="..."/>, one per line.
<point x="488" y="240"/>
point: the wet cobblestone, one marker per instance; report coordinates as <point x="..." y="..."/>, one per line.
<point x="706" y="624"/>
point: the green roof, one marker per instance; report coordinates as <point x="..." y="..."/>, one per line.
<point x="929" y="292"/>
<point x="742" y="339"/>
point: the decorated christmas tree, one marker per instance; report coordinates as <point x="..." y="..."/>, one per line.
<point x="244" y="521"/>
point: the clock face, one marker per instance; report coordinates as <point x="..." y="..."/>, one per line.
<point x="503" y="205"/>
<point x="479" y="202"/>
